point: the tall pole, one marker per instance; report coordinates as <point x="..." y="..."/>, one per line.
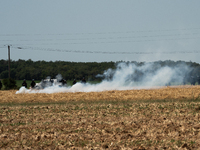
<point x="9" y="60"/>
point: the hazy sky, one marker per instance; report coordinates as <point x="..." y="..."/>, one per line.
<point x="100" y="30"/>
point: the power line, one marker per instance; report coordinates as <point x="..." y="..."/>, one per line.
<point x="111" y="42"/>
<point x="105" y="52"/>
<point x="114" y="32"/>
<point x="107" y="38"/>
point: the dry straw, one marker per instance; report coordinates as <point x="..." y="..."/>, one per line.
<point x="173" y="93"/>
<point x="112" y="125"/>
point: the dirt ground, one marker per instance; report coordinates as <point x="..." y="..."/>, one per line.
<point x="165" y="118"/>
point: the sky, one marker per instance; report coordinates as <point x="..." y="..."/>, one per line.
<point x="100" y="30"/>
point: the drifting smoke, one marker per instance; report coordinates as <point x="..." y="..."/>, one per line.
<point x="126" y="76"/>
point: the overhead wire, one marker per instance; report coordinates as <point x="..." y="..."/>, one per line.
<point x="106" y="38"/>
<point x="114" y="32"/>
<point x="106" y="52"/>
<point x="103" y="40"/>
<point x="111" y="42"/>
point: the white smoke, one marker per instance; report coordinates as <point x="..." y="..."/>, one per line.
<point x="126" y="76"/>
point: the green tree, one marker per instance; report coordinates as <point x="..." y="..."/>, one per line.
<point x="9" y="84"/>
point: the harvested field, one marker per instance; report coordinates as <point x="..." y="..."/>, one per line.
<point x="167" y="118"/>
<point x="175" y="93"/>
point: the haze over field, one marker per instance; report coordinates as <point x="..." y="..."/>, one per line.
<point x="125" y="78"/>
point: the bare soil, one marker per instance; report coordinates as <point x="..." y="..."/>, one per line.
<point x="165" y="118"/>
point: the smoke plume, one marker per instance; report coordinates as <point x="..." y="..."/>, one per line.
<point x="126" y="76"/>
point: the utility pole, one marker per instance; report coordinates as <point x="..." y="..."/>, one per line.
<point x="9" y="60"/>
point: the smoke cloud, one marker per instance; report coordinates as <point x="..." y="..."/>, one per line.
<point x="126" y="76"/>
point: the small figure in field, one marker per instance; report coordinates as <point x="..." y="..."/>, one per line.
<point x="33" y="83"/>
<point x="51" y="81"/>
<point x="0" y="85"/>
<point x="64" y="82"/>
<point x="83" y="81"/>
<point x="74" y="82"/>
<point x="24" y="83"/>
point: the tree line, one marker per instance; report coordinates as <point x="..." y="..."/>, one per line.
<point x="38" y="70"/>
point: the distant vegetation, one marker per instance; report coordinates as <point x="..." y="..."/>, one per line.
<point x="9" y="84"/>
<point x="39" y="70"/>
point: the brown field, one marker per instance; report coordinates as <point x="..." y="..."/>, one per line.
<point x="166" y="118"/>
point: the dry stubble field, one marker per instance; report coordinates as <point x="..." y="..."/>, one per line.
<point x="166" y="118"/>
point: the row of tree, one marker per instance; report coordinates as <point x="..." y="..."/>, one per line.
<point x="38" y="70"/>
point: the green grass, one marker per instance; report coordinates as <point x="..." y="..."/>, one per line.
<point x="19" y="83"/>
<point x="69" y="83"/>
